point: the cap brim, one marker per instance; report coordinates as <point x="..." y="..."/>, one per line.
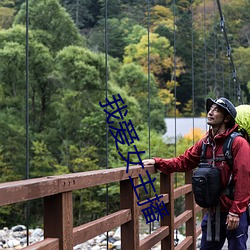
<point x="209" y="103"/>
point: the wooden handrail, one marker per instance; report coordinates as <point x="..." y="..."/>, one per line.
<point x="58" y="209"/>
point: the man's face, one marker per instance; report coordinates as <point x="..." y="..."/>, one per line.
<point x="215" y="116"/>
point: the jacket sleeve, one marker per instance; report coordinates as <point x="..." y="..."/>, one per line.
<point x="241" y="175"/>
<point x="185" y="162"/>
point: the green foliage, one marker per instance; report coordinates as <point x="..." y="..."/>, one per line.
<point x="67" y="81"/>
<point x="13" y="148"/>
<point x="136" y="83"/>
<point x="6" y="17"/>
<point x="118" y="32"/>
<point x="42" y="162"/>
<point x="242" y="63"/>
<point x="84" y="13"/>
<point x="53" y="25"/>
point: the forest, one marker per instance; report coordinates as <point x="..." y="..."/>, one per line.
<point x="163" y="57"/>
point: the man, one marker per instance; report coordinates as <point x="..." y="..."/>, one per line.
<point x="221" y="115"/>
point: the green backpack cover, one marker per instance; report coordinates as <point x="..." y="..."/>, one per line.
<point x="243" y="119"/>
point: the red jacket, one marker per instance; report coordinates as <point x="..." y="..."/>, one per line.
<point x="241" y="167"/>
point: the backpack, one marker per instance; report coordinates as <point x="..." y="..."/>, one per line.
<point x="206" y="179"/>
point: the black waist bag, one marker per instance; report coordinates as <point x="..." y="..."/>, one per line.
<point x="206" y="182"/>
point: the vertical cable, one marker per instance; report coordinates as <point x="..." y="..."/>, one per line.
<point x="27" y="207"/>
<point x="149" y="123"/>
<point x="149" y="153"/>
<point x="229" y="83"/>
<point x="222" y="69"/>
<point x="106" y="82"/>
<point x="215" y="52"/>
<point x="205" y="51"/>
<point x="192" y="28"/>
<point x="175" y="95"/>
<point x="77" y="13"/>
<point x="174" y="76"/>
<point x="237" y="87"/>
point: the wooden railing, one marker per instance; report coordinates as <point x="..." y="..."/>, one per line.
<point x="59" y="232"/>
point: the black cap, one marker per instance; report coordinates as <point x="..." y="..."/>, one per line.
<point x="223" y="103"/>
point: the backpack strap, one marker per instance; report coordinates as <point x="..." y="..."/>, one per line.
<point x="227" y="148"/>
<point x="227" y="151"/>
<point x="203" y="152"/>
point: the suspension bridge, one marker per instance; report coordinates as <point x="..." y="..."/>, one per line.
<point x="56" y="191"/>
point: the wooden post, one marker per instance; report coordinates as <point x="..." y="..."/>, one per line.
<point x="58" y="219"/>
<point x="190" y="205"/>
<point x="130" y="230"/>
<point x="167" y="187"/>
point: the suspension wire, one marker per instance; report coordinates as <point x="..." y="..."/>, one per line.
<point x="229" y="83"/>
<point x="192" y="77"/>
<point x="174" y="79"/>
<point x="149" y="122"/>
<point x="77" y="13"/>
<point x="215" y="52"/>
<point x="229" y="54"/>
<point x="175" y="95"/>
<point x="27" y="206"/>
<point x="106" y="82"/>
<point x="222" y="68"/>
<point x="205" y="50"/>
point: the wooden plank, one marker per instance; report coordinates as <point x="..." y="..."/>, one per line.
<point x="167" y="187"/>
<point x="182" y="218"/>
<point x="185" y="244"/>
<point x="90" y="230"/>
<point x="198" y="231"/>
<point x="24" y="190"/>
<point x="198" y="208"/>
<point x="182" y="190"/>
<point x="99" y="177"/>
<point x="46" y="244"/>
<point x="165" y="199"/>
<point x="58" y="219"/>
<point x="129" y="230"/>
<point x="190" y="205"/>
<point x="154" y="238"/>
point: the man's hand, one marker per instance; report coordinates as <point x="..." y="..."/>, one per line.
<point x="232" y="222"/>
<point x="148" y="162"/>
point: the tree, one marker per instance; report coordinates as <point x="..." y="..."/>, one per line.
<point x="136" y="83"/>
<point x="53" y="25"/>
<point x="84" y="13"/>
<point x="6" y="17"/>
<point x="40" y="60"/>
<point x="161" y="16"/>
<point x="118" y="31"/>
<point x="161" y="57"/>
<point x="242" y="64"/>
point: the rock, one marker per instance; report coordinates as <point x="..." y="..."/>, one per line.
<point x="95" y="248"/>
<point x="100" y="238"/>
<point x="3" y="233"/>
<point x="111" y="240"/>
<point x="18" y="228"/>
<point x="16" y="238"/>
<point x="13" y="243"/>
<point x="117" y="235"/>
<point x="38" y="232"/>
<point x="103" y="243"/>
<point x="117" y="245"/>
<point x="111" y="233"/>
